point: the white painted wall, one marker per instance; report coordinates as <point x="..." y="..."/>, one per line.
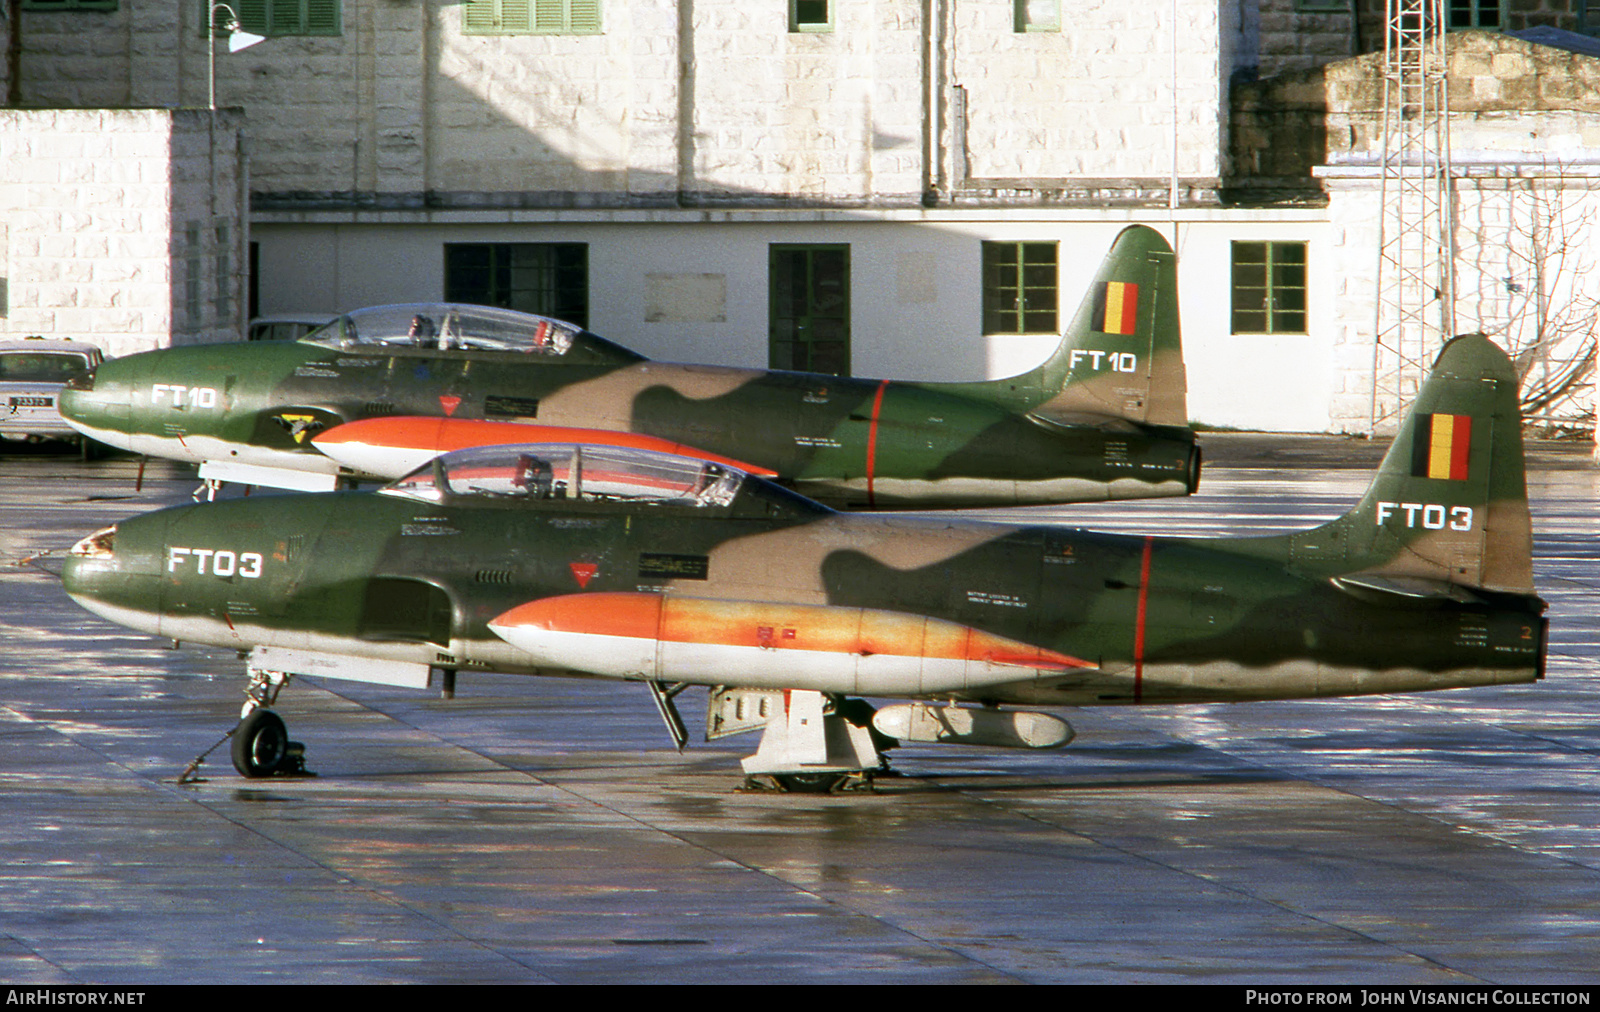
<point x="915" y="292"/>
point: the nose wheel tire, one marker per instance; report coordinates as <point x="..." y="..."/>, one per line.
<point x="261" y="746"/>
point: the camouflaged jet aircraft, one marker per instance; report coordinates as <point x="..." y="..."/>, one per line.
<point x="614" y="562"/>
<point x="379" y="391"/>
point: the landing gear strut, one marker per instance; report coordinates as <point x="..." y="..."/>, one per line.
<point x="817" y="744"/>
<point x="261" y="745"/>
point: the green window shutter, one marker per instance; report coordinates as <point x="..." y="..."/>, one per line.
<point x="514" y="16"/>
<point x="549" y="15"/>
<point x="585" y="16"/>
<point x="322" y="17"/>
<point x="69" y="5"/>
<point x="524" y="17"/>
<point x="253" y="16"/>
<point x="287" y="17"/>
<point x="481" y="17"/>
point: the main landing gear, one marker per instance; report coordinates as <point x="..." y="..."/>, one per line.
<point x="818" y="743"/>
<point x="261" y="745"/>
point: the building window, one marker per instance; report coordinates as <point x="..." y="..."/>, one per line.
<point x="277" y="17"/>
<point x="69" y="5"/>
<point x="1037" y="15"/>
<point x="222" y="297"/>
<point x="810" y="15"/>
<point x="548" y="278"/>
<point x="808" y="327"/>
<point x="1019" y="288"/>
<point x="1322" y="6"/>
<point x="1474" y="13"/>
<point x="192" y="279"/>
<point x="1269" y="288"/>
<point x="531" y="17"/>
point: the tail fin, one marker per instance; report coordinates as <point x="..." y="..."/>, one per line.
<point x="1122" y="356"/>
<point x="1449" y="505"/>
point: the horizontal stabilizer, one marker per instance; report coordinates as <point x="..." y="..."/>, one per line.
<point x="1417" y="588"/>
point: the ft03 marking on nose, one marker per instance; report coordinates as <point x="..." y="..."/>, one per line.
<point x="222" y="561"/>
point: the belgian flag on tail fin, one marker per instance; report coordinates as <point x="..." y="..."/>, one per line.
<point x="1116" y="307"/>
<point x="1441" y="447"/>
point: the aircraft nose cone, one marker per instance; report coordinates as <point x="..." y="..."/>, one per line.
<point x="97" y="404"/>
<point x="88" y="561"/>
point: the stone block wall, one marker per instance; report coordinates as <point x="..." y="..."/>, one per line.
<point x="704" y="99"/>
<point x="122" y="227"/>
<point x="1100" y="99"/>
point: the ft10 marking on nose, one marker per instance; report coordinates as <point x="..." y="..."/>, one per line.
<point x="1432" y="516"/>
<point x="182" y="396"/>
<point x="223" y="563"/>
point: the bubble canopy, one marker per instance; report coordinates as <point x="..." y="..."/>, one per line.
<point x="450" y="326"/>
<point x="572" y="472"/>
<point x="580" y="476"/>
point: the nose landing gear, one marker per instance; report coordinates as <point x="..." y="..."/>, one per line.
<point x="261" y="745"/>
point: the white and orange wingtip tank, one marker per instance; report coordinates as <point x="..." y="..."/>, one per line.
<point x="771" y="644"/>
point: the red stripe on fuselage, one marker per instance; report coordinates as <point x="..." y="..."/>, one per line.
<point x="872" y="439"/>
<point x="1138" y="623"/>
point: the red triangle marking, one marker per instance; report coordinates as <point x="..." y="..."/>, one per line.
<point x="449" y="404"/>
<point x="583" y="572"/>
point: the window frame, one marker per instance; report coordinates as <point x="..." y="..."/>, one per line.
<point x="812" y="27"/>
<point x="1022" y="25"/>
<point x="1475" y="8"/>
<point x="996" y="295"/>
<point x="817" y="308"/>
<point x="1271" y="285"/>
<point x="568" y="302"/>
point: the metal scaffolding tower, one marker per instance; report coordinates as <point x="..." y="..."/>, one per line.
<point x="1416" y="242"/>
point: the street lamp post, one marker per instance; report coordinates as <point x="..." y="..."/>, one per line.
<point x="237" y="39"/>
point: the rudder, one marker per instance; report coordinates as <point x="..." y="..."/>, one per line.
<point x="1122" y="355"/>
<point x="1449" y="504"/>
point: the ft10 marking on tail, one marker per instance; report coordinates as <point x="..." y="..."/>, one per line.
<point x="1116" y="361"/>
<point x="1434" y="516"/>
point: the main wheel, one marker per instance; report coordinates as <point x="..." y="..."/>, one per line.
<point x="809" y="783"/>
<point x="260" y="745"/>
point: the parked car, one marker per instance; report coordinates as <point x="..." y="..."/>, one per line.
<point x="32" y="373"/>
<point x="286" y="326"/>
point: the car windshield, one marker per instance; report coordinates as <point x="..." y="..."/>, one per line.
<point x="42" y="366"/>
<point x="574" y="473"/>
<point x="447" y="326"/>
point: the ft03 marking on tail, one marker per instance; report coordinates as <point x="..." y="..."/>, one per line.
<point x="1433" y="516"/>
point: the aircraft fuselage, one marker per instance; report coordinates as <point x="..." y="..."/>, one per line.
<point x="842" y="440"/>
<point x="780" y="594"/>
